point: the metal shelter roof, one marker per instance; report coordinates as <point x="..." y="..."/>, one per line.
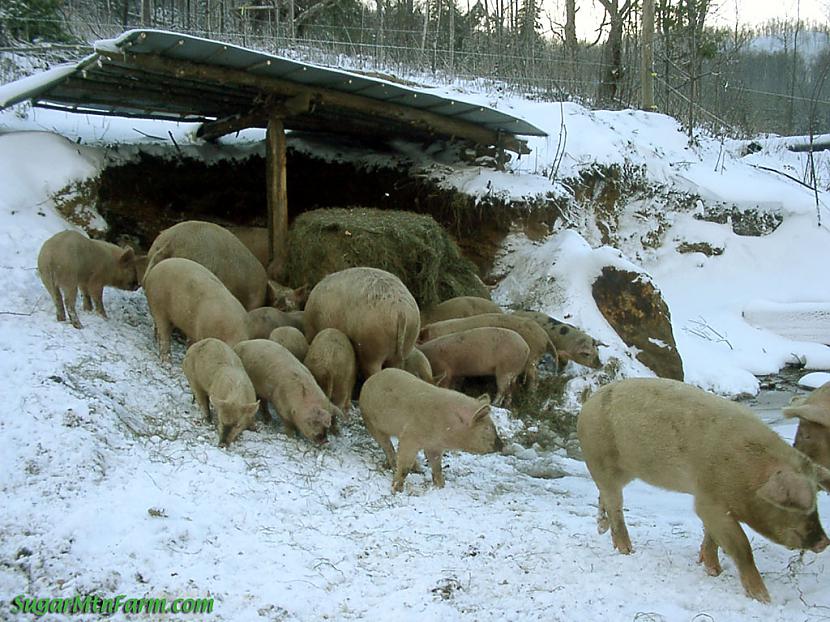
<point x="164" y="75"/>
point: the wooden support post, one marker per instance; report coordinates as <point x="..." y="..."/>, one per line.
<point x="277" y="198"/>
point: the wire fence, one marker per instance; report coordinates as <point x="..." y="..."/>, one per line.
<point x="724" y="99"/>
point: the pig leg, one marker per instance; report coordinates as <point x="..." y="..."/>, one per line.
<point x="369" y="367"/>
<point x="87" y="300"/>
<point x="263" y="410"/>
<point x="407" y="453"/>
<point x="531" y="375"/>
<point x="385" y="444"/>
<point x="709" y="555"/>
<point x="724" y="530"/>
<point x="287" y="425"/>
<point x="610" y="506"/>
<point x="97" y="293"/>
<point x="201" y="399"/>
<point x="164" y="329"/>
<point x="57" y="298"/>
<point x="434" y="458"/>
<point x="503" y="385"/>
<point x="71" y="295"/>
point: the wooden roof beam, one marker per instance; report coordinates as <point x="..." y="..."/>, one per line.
<point x="257" y="117"/>
<point x="322" y="96"/>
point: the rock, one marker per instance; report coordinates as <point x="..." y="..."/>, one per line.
<point x="751" y="219"/>
<point x="635" y="309"/>
<point x="700" y="247"/>
<point x="541" y="470"/>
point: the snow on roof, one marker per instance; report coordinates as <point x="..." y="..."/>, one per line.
<point x="111" y="82"/>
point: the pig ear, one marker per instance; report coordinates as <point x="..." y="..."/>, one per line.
<point x="789" y="491"/>
<point x="127" y="257"/>
<point x="251" y="409"/>
<point x="300" y="294"/>
<point x="323" y="417"/>
<point x="484" y="398"/>
<point x="809" y="412"/>
<point x="274" y="291"/>
<point x="218" y="405"/>
<point x="162" y="253"/>
<point x="481" y="413"/>
<point x="436" y="380"/>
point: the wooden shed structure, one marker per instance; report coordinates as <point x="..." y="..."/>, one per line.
<point x="155" y="74"/>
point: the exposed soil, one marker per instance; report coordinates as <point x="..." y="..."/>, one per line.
<point x="143" y="197"/>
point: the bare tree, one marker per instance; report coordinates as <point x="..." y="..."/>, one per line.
<point x="613" y="71"/>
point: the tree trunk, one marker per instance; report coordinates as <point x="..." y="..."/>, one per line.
<point x="612" y="71"/>
<point x="379" y="35"/>
<point x="647" y="58"/>
<point x="147" y="13"/>
<point x="451" y="37"/>
<point x="571" y="43"/>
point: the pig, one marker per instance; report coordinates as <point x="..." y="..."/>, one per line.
<point x="486" y="351"/>
<point x="185" y="294"/>
<point x="332" y="361"/>
<point x="69" y="260"/>
<point x="280" y="378"/>
<point x="393" y="402"/>
<point x="372" y="308"/>
<point x="813" y="435"/>
<point x="292" y="339"/>
<point x="287" y="299"/>
<point x="571" y="343"/>
<point x="418" y="365"/>
<point x="262" y="320"/>
<point x="219" y="251"/>
<point x="678" y="437"/>
<point x="216" y="377"/>
<point x="255" y="240"/>
<point x="536" y="338"/>
<point x="458" y="307"/>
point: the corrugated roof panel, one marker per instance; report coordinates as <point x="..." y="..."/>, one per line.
<point x="175" y="46"/>
<point x="184" y="47"/>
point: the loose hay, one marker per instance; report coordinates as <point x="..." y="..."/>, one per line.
<point x="413" y="247"/>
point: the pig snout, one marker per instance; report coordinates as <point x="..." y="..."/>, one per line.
<point x="819" y="546"/>
<point x="321" y="438"/>
<point x="814" y="538"/>
<point x="498" y="444"/>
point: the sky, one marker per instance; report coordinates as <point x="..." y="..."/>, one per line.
<point x="750" y="12"/>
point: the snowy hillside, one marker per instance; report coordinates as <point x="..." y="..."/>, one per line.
<point x="811" y="44"/>
<point x="114" y="484"/>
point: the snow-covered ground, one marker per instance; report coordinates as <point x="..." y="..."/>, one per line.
<point x="113" y="484"/>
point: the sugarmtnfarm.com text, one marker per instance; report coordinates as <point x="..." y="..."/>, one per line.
<point x="91" y="603"/>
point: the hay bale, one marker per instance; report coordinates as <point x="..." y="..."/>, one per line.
<point x="411" y="246"/>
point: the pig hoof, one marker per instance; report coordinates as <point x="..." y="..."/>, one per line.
<point x="624" y="548"/>
<point x="712" y="567"/>
<point x="759" y="593"/>
<point x="77" y="324"/>
<point x="397" y="486"/>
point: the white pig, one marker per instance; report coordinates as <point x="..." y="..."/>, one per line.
<point x="681" y="438"/>
<point x="217" y="378"/>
